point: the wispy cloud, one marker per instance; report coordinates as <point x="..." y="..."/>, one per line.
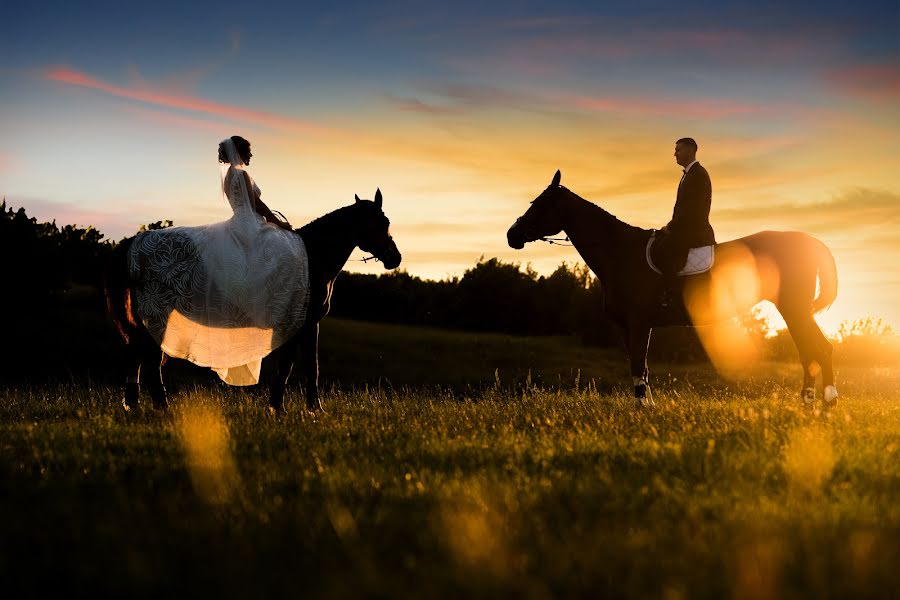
<point x="195" y="104"/>
<point x="415" y="105"/>
<point x="878" y="83"/>
<point x="179" y="121"/>
<point x="444" y="99"/>
<point x="440" y="100"/>
<point x="693" y="108"/>
<point x="862" y="213"/>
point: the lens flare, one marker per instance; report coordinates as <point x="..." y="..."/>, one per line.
<point x="204" y="435"/>
<point x="471" y="527"/>
<point x="736" y="284"/>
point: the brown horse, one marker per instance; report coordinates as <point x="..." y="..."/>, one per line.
<point x="329" y="240"/>
<point x="781" y="267"/>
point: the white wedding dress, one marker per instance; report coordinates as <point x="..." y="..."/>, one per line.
<point x="223" y="295"/>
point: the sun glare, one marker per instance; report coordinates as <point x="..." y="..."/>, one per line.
<point x="205" y="438"/>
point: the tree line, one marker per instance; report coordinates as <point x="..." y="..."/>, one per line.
<point x="54" y="310"/>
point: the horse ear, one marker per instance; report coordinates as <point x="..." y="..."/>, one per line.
<point x="357" y="197"/>
<point x="556" y="179"/>
<point x="378" y="197"/>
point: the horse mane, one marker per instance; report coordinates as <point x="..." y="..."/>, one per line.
<point x="326" y="221"/>
<point x="608" y="220"/>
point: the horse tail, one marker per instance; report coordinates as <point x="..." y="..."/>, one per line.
<point x="117" y="288"/>
<point x="828" y="279"/>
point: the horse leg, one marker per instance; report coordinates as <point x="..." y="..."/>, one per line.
<point x="309" y="357"/>
<point x="133" y="359"/>
<point x="638" y="343"/>
<point x="155" y="356"/>
<point x="284" y="361"/>
<point x="824" y="351"/>
<point x="799" y="326"/>
<point x="142" y="350"/>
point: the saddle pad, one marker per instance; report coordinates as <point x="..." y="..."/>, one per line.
<point x="699" y="260"/>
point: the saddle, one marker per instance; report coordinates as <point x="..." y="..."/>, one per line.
<point x="699" y="260"/>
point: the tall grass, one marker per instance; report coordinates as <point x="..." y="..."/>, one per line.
<point x="528" y="490"/>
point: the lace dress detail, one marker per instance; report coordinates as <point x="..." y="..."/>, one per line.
<point x="223" y="295"/>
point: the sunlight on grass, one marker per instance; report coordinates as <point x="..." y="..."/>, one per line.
<point x="205" y="438"/>
<point x="725" y="491"/>
<point x="809" y="459"/>
<point x="471" y="526"/>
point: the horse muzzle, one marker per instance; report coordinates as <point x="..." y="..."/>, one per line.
<point x="392" y="261"/>
<point x="392" y="256"/>
<point x="515" y="237"/>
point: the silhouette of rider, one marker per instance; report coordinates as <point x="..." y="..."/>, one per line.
<point x="689" y="227"/>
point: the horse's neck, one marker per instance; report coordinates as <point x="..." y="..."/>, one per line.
<point x="329" y="242"/>
<point x="596" y="234"/>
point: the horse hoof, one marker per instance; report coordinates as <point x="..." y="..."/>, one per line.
<point x="644" y="403"/>
<point x="160" y="400"/>
<point x="831" y="396"/>
<point x="130" y="398"/>
<point x="809" y="396"/>
<point x="643" y="397"/>
<point x="315" y="405"/>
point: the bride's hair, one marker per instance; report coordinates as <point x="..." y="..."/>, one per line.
<point x="240" y="144"/>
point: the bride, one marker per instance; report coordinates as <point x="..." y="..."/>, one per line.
<point x="224" y="295"/>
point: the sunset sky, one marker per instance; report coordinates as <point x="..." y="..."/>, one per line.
<point x="461" y="112"/>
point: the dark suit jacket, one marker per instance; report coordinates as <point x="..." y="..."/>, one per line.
<point x="690" y="226"/>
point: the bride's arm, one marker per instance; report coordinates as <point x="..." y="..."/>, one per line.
<point x="261" y="207"/>
<point x="269" y="216"/>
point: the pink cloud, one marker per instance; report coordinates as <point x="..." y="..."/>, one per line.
<point x="185" y="102"/>
<point x="878" y="83"/>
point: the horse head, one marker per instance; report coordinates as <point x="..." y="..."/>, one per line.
<point x="375" y="233"/>
<point x="541" y="220"/>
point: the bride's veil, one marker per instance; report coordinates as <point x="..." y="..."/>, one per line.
<point x="240" y="195"/>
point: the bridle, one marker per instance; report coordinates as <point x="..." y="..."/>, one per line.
<point x="556" y="241"/>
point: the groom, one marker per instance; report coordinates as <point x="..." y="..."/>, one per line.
<point x="689" y="227"/>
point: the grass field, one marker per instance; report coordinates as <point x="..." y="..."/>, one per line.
<point x="725" y="490"/>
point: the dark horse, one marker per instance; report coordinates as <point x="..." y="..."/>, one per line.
<point x="329" y="240"/>
<point x="771" y="265"/>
